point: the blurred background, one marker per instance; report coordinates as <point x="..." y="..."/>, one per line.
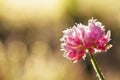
<point x="29" y="39"/>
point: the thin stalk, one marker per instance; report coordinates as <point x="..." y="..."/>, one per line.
<point x="96" y="67"/>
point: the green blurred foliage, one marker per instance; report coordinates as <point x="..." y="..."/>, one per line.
<point x="29" y="39"/>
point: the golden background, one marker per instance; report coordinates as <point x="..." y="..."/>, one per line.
<point x="29" y="39"/>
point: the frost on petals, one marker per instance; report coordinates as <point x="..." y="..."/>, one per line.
<point x="79" y="39"/>
<point x="98" y="40"/>
<point x="73" y="42"/>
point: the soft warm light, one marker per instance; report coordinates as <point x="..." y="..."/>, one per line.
<point x="34" y="4"/>
<point x="25" y="10"/>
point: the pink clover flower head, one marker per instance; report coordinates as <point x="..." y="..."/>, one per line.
<point x="80" y="39"/>
<point x="73" y="42"/>
<point x="97" y="39"/>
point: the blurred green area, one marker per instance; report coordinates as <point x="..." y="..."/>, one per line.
<point x="29" y="39"/>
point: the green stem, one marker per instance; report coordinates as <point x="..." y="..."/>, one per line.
<point x="96" y="67"/>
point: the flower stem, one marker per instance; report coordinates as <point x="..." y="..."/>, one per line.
<point x="96" y="67"/>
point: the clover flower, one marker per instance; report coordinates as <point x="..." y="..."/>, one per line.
<point x="97" y="40"/>
<point x="81" y="39"/>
